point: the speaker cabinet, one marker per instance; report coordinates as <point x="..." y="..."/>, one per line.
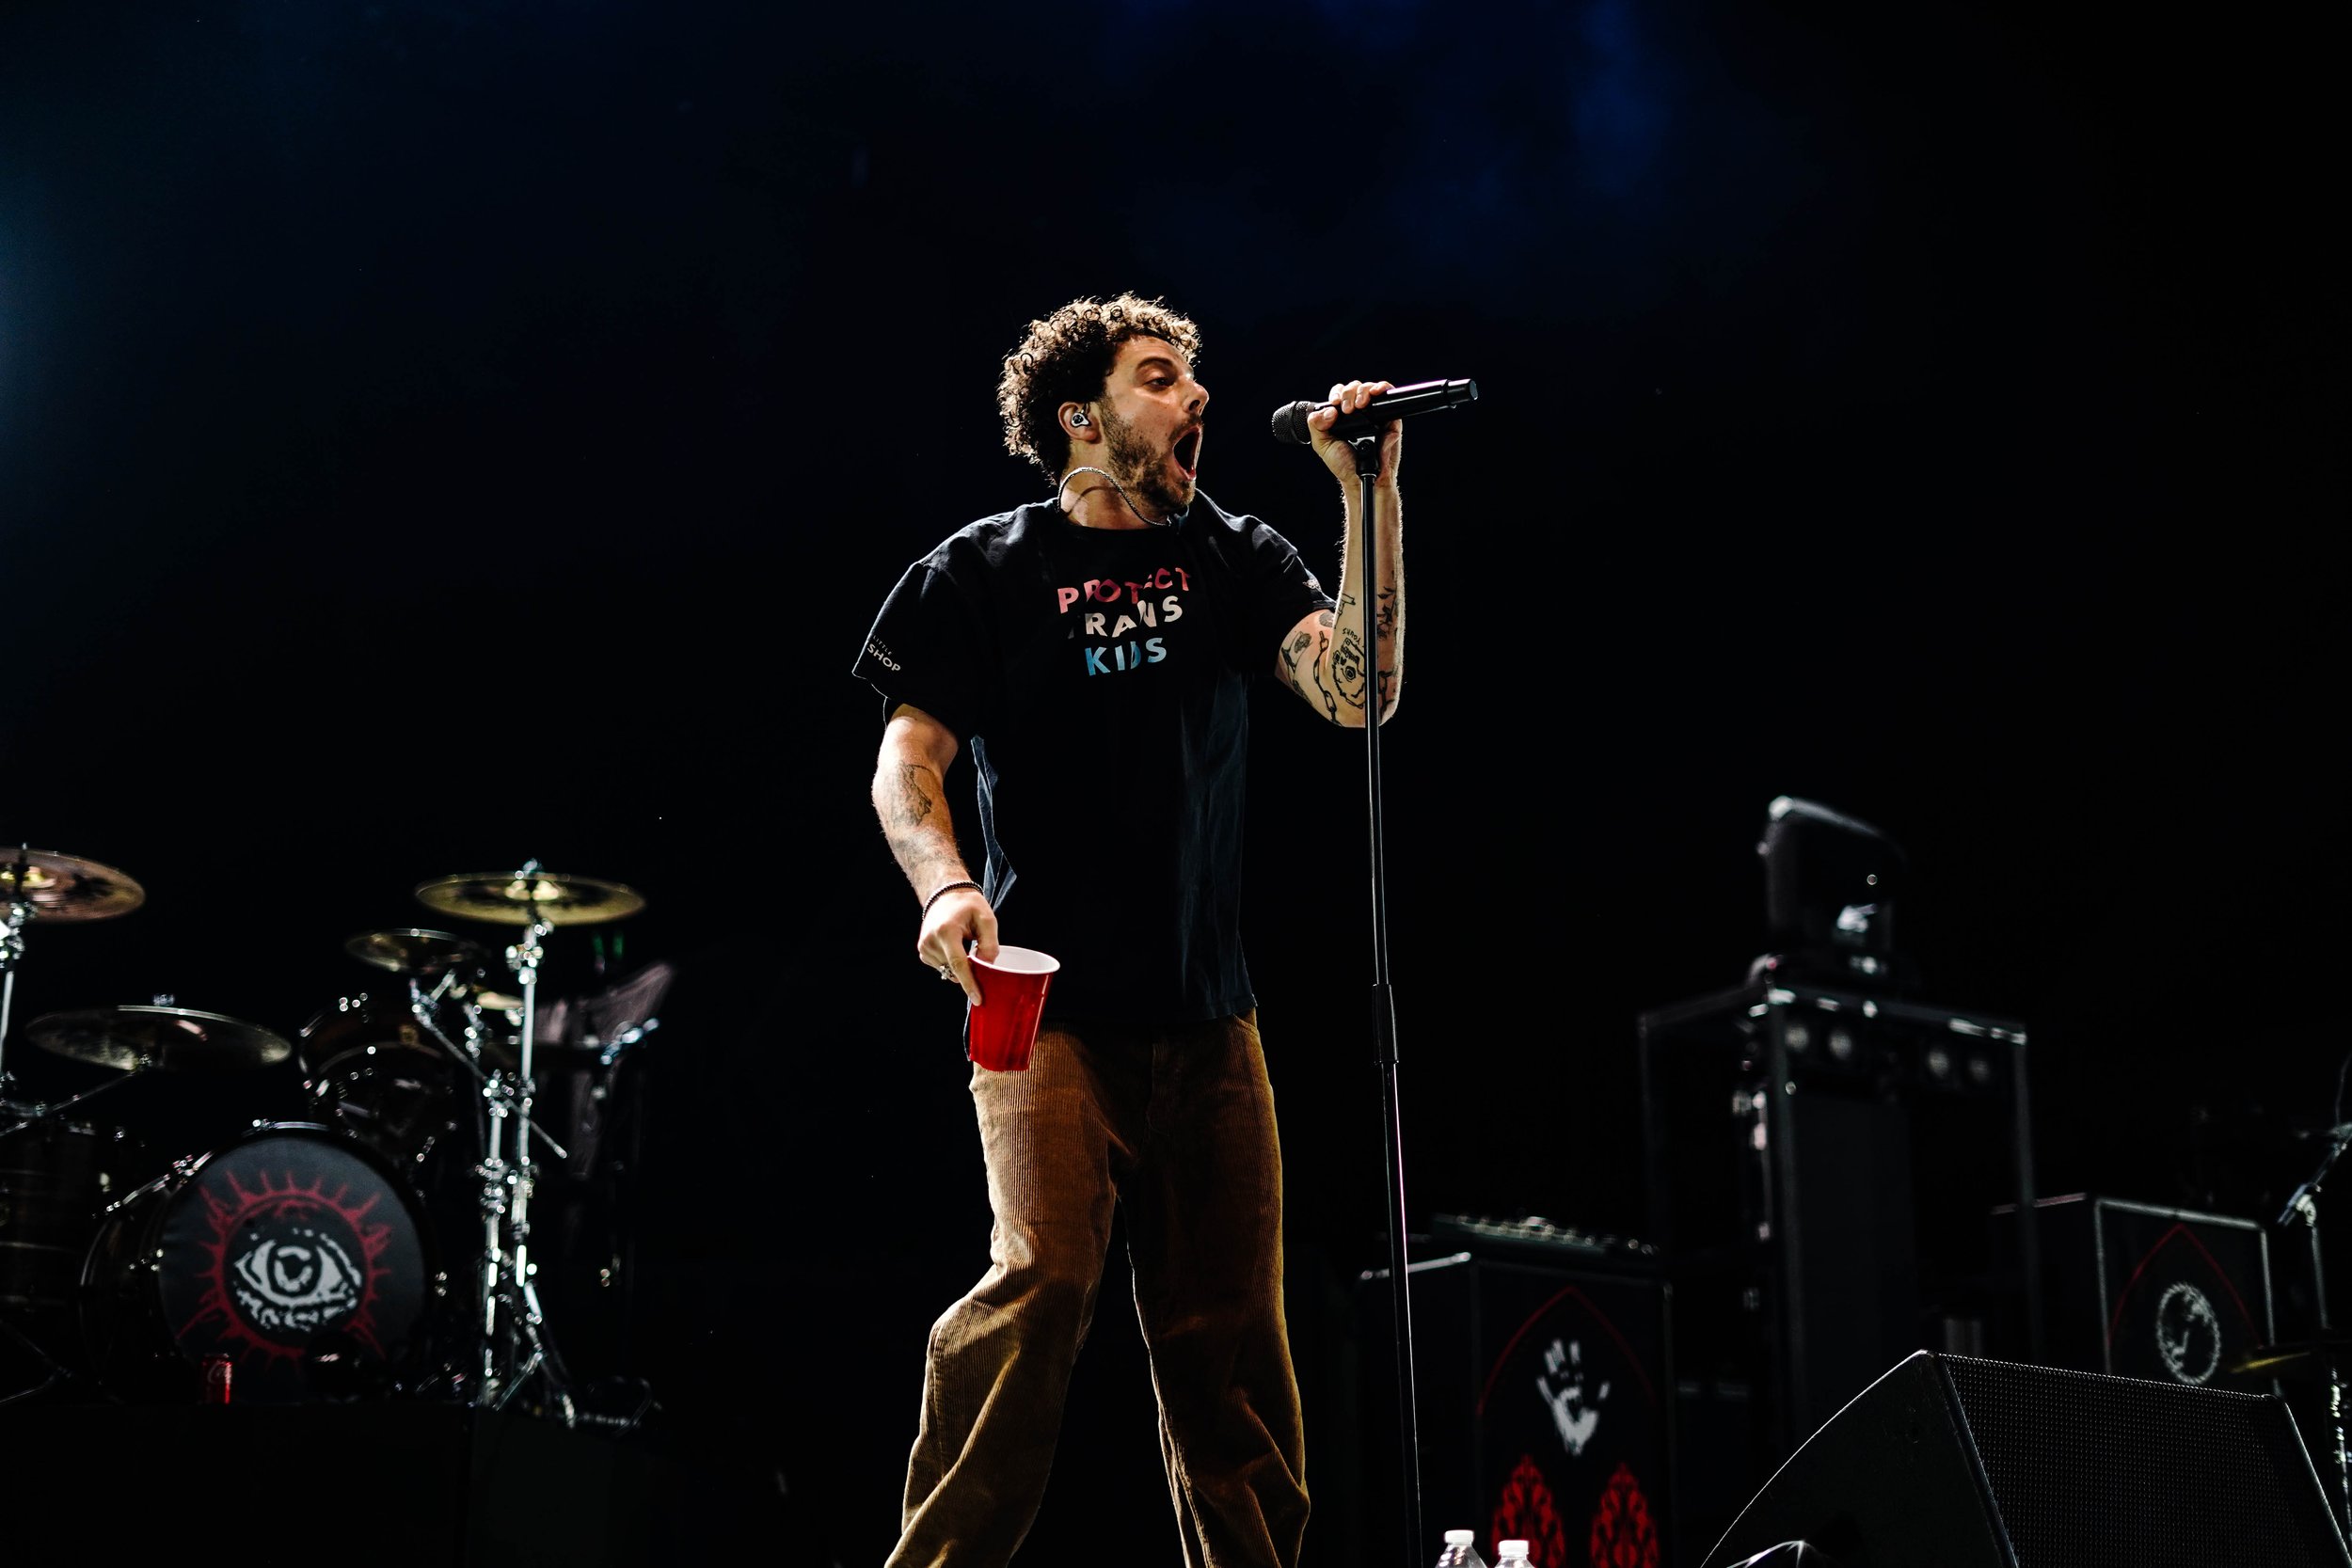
<point x="1948" y="1462"/>
<point x="2138" y="1290"/>
<point x="1545" y="1394"/>
<point x="1819" y="1167"/>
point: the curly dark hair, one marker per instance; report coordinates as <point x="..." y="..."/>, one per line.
<point x="1067" y="358"/>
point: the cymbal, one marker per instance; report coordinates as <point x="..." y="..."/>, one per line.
<point x="506" y="899"/>
<point x="176" y="1040"/>
<point x="411" y="950"/>
<point x="2296" y="1357"/>
<point x="66" y="888"/>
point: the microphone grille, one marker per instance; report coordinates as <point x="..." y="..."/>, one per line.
<point x="1290" y="423"/>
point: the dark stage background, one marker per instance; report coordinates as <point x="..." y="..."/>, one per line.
<point x="435" y="434"/>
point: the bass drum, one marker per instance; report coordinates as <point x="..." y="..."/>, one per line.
<point x="296" y="1252"/>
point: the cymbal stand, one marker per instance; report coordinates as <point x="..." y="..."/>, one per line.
<point x="20" y="914"/>
<point x="2304" y="1205"/>
<point x="507" y="1214"/>
<point x="503" y="1194"/>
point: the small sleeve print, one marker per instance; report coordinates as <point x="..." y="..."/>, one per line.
<point x="922" y="649"/>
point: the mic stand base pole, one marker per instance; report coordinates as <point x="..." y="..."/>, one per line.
<point x="1367" y="451"/>
<point x="2304" y="1205"/>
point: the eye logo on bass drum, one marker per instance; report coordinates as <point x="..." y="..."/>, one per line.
<point x="289" y="1256"/>
<point x="293" y="1279"/>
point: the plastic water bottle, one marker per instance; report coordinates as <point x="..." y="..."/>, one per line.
<point x="1514" y="1555"/>
<point x="1461" y="1550"/>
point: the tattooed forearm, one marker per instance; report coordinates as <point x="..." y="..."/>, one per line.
<point x="914" y="802"/>
<point x="1330" y="704"/>
<point x="915" y="824"/>
<point x="1324" y="621"/>
<point x="1349" y="667"/>
<point x="1360" y="669"/>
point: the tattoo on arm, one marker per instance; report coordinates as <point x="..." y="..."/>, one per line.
<point x="914" y="802"/>
<point x="1349" y="667"/>
<point x="1291" y="657"/>
<point x="1384" y="614"/>
<point x="1322" y="661"/>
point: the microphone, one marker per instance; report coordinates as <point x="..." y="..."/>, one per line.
<point x="1422" y="397"/>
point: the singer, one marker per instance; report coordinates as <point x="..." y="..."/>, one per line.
<point x="1092" y="649"/>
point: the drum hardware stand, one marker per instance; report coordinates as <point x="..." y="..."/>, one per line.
<point x="2304" y="1205"/>
<point x="506" y="1271"/>
<point x="29" y="1115"/>
<point x="506" y="1278"/>
<point x="516" y="1347"/>
<point x="420" y="1008"/>
<point x="504" y="1281"/>
<point x="11" y="954"/>
<point x="80" y="890"/>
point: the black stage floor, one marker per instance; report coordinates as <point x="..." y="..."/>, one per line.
<point x="412" y="1484"/>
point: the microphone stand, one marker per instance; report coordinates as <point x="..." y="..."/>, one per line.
<point x="2304" y="1205"/>
<point x="1367" y="451"/>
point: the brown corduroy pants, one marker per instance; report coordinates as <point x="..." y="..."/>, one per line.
<point x="1177" y="1124"/>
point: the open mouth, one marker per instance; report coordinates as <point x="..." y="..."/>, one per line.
<point x="1188" y="451"/>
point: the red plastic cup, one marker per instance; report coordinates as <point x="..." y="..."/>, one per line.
<point x="1001" y="1027"/>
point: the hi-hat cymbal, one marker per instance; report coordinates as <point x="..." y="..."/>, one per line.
<point x="66" y="888"/>
<point x="176" y="1040"/>
<point x="507" y="898"/>
<point x="410" y="950"/>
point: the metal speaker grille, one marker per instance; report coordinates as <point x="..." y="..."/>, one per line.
<point x="2089" y="1472"/>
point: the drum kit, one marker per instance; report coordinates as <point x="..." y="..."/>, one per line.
<point x="305" y="1260"/>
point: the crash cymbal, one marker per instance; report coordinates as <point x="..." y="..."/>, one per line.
<point x="175" y="1039"/>
<point x="2296" y="1358"/>
<point x="411" y="950"/>
<point x="506" y="899"/>
<point x="66" y="888"/>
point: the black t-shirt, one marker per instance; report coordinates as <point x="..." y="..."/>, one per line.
<point x="1097" y="677"/>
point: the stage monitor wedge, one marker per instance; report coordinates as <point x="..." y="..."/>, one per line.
<point x="1948" y="1462"/>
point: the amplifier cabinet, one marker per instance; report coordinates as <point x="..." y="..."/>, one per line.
<point x="2139" y="1291"/>
<point x="1545" y="1395"/>
<point x="1820" y="1162"/>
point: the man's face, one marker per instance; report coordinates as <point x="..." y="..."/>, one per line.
<point x="1151" y="409"/>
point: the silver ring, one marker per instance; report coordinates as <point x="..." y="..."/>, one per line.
<point x="946" y="973"/>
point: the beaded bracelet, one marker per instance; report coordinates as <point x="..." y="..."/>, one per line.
<point x="947" y="887"/>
